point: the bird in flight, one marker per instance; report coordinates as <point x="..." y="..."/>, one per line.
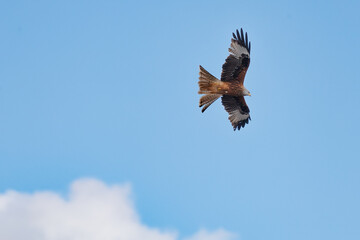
<point x="231" y="86"/>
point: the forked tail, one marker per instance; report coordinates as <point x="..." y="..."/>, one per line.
<point x="209" y="85"/>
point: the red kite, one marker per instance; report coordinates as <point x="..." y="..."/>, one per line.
<point x="231" y="86"/>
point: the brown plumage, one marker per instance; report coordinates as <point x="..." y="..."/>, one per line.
<point x="231" y="86"/>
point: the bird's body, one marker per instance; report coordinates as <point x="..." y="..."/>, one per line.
<point x="231" y="86"/>
<point x="228" y="88"/>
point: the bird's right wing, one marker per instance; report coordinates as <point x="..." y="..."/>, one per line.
<point x="239" y="113"/>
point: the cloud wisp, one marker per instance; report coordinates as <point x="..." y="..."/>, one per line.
<point x="92" y="211"/>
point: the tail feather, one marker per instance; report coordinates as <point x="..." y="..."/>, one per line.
<point x="207" y="100"/>
<point x="208" y="83"/>
<point x="210" y="86"/>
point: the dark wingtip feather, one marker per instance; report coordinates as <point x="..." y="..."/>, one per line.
<point x="249" y="47"/>
<point x="234" y="36"/>
<point x="238" y="35"/>
<point x="242" y="35"/>
<point x="246" y="41"/>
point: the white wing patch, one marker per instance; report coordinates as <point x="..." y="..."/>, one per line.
<point x="236" y="116"/>
<point x="236" y="50"/>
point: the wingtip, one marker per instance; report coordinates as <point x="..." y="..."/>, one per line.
<point x="238" y="34"/>
<point x="242" y="39"/>
<point x="246" y="40"/>
<point x="234" y="36"/>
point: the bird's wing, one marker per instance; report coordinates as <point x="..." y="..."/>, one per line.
<point x="237" y="63"/>
<point x="239" y="113"/>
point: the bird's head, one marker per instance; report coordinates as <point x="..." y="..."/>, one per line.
<point x="246" y="92"/>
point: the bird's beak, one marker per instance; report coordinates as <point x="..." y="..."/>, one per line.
<point x="250" y="94"/>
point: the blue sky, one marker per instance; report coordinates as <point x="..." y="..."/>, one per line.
<point x="108" y="90"/>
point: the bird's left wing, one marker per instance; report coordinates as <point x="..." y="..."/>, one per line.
<point x="237" y="63"/>
<point x="239" y="113"/>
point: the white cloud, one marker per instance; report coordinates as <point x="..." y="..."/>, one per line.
<point x="93" y="211"/>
